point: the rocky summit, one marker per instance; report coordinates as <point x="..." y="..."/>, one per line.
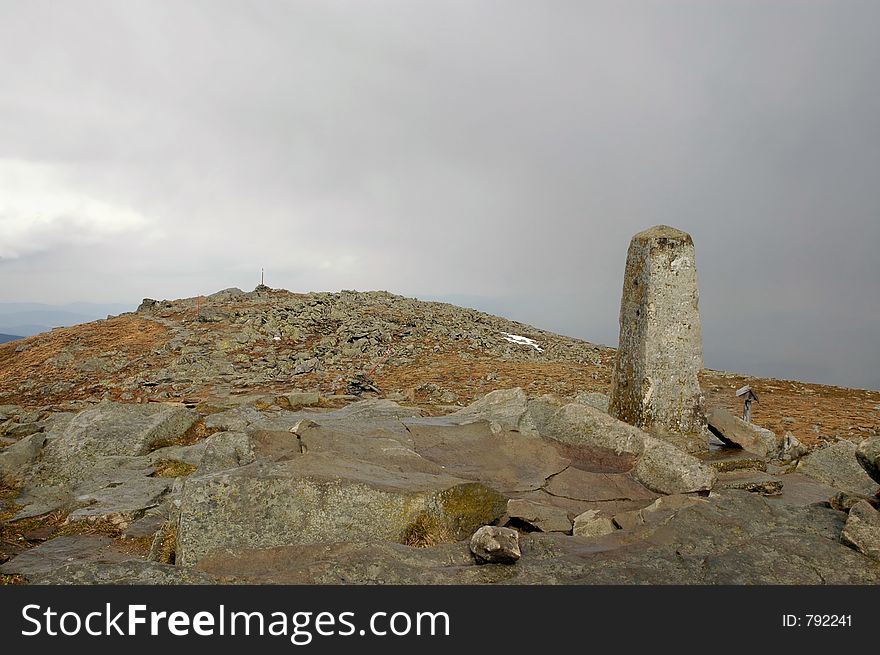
<point x="276" y="437"/>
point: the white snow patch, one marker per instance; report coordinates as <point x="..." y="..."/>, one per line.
<point x="522" y="341"/>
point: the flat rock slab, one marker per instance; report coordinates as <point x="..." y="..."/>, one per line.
<point x="538" y="516"/>
<point x="378" y="445"/>
<point x="372" y="414"/>
<point x="125" y="572"/>
<point x="573" y="507"/>
<point x="597" y="487"/>
<point x="353" y="563"/>
<point x="836" y="465"/>
<point x="45" y="559"/>
<point x="731" y="459"/>
<point x="753" y="481"/>
<point x="122" y="503"/>
<point x="99" y="479"/>
<point x="323" y="498"/>
<point x="732" y="538"/>
<point x="507" y="461"/>
<point x="801" y="490"/>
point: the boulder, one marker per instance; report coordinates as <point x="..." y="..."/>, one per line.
<point x="226" y="450"/>
<point x="10" y="411"/>
<point x="660" y="466"/>
<point x="325" y="498"/>
<point x="862" y="530"/>
<point x="21" y="430"/>
<point x="225" y="294"/>
<point x="303" y="398"/>
<point x="584" y="425"/>
<point x="101" y="456"/>
<point x="15" y="458"/>
<point x="538" y="413"/>
<point x="836" y="465"/>
<point x="591" y="524"/>
<point x="491" y="544"/>
<point x="792" y="448"/>
<point x="868" y="454"/>
<point x="593" y="399"/>
<point x="120" y="429"/>
<point x="666" y="469"/>
<point x="505" y="407"/>
<point x="543" y="518"/>
<point x="844" y="501"/>
<point x="733" y="431"/>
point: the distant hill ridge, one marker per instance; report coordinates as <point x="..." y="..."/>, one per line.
<point x="271" y="341"/>
<point x="28" y="319"/>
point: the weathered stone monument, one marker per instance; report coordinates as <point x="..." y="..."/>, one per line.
<point x="660" y="354"/>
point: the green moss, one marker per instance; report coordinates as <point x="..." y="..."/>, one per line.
<point x="172" y="468"/>
<point x="469" y="506"/>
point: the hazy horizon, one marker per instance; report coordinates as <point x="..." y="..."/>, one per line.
<point x="499" y="152"/>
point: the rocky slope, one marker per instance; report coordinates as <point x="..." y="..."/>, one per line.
<point x="232" y="343"/>
<point x="363" y="437"/>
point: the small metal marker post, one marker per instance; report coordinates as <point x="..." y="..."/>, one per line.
<point x="748" y="395"/>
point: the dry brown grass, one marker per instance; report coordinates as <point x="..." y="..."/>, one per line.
<point x="425" y="531"/>
<point x="133" y="337"/>
<point x="164" y="551"/>
<point x="196" y="433"/>
<point x="814" y="413"/>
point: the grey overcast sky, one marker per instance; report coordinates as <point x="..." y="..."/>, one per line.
<point x="498" y="154"/>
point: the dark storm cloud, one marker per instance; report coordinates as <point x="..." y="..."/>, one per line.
<point x="501" y="150"/>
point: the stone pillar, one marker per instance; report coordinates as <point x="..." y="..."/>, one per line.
<point x="660" y="354"/>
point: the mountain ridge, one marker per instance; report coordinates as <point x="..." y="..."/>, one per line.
<point x="425" y="352"/>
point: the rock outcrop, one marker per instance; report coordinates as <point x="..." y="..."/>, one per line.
<point x="837" y="466"/>
<point x="868" y="455"/>
<point x="862" y="530"/>
<point x="735" y="432"/>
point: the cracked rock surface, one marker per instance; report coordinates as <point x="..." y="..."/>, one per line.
<point x="377" y="492"/>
